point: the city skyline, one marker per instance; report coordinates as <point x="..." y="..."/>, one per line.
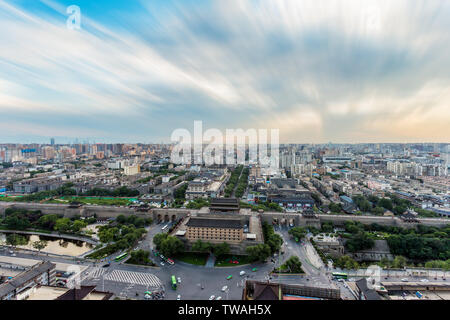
<point x="319" y="71"/>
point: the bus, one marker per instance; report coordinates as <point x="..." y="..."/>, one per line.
<point x="121" y="257"/>
<point x="339" y="275"/>
<point x="174" y="283"/>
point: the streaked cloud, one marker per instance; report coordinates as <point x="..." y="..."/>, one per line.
<point x="342" y="71"/>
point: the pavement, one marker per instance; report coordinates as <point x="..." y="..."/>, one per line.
<point x="197" y="282"/>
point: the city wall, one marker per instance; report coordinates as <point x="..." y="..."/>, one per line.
<point x="167" y="215"/>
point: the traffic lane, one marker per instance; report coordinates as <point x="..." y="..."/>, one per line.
<point x="194" y="277"/>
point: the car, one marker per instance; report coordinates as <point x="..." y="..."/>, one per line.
<point x="106" y="265"/>
<point x="229" y="277"/>
<point x="147" y="297"/>
<point x="212" y="297"/>
<point x="254" y="269"/>
<point x="241" y="273"/>
<point x="179" y="297"/>
<point x="224" y="288"/>
<point x="424" y="280"/>
<point x="162" y="263"/>
<point x="219" y="298"/>
<point x="404" y="280"/>
<point x="179" y="280"/>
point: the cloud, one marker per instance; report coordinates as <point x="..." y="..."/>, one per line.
<point x="341" y="71"/>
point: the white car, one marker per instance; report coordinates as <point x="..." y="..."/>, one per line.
<point x="179" y="297"/>
<point x="224" y="288"/>
<point x="219" y="298"/>
<point x="179" y="280"/>
<point x="162" y="263"/>
<point x="241" y="273"/>
<point x="147" y="297"/>
<point x="424" y="280"/>
<point x="404" y="280"/>
<point x="212" y="297"/>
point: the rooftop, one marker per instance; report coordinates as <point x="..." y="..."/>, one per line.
<point x="214" y="223"/>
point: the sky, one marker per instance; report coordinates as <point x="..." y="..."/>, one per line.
<point x="347" y="71"/>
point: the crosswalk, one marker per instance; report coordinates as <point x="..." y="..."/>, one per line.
<point x="97" y="272"/>
<point x="141" y="278"/>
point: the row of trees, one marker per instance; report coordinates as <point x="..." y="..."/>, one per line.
<point x="68" y="190"/>
<point x="231" y="183"/>
<point x="242" y="184"/>
<point x="266" y="206"/>
<point x="21" y="219"/>
<point x="207" y="247"/>
<point x="20" y="240"/>
<point x="119" y="192"/>
<point x="272" y="243"/>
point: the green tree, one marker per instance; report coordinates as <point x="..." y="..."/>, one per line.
<point x="78" y="225"/>
<point x="385" y="203"/>
<point x="171" y="246"/>
<point x="139" y="257"/>
<point x="359" y="241"/>
<point x="63" y="224"/>
<point x="259" y="252"/>
<point x="294" y="264"/>
<point x="158" y="239"/>
<point x="221" y="249"/>
<point x="298" y="232"/>
<point x="399" y="262"/>
<point x="39" y="245"/>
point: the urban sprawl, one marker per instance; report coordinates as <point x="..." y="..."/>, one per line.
<point x="95" y="221"/>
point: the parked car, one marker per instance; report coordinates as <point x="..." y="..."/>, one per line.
<point x="219" y="298"/>
<point x="212" y="297"/>
<point x="404" y="280"/>
<point x="424" y="280"/>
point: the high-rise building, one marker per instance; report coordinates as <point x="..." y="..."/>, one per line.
<point x="52" y="141"/>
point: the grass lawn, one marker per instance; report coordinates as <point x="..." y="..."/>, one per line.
<point x="193" y="258"/>
<point x="224" y="261"/>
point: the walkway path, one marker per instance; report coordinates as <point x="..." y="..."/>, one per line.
<point x="211" y="261"/>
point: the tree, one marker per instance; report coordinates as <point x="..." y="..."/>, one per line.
<point x="158" y="239"/>
<point x="171" y="246"/>
<point x="139" y="257"/>
<point x="78" y="225"/>
<point x="275" y="241"/>
<point x="63" y="224"/>
<point x="259" y="252"/>
<point x="359" y="241"/>
<point x="222" y="249"/>
<point x="16" y="240"/>
<point x="298" y="232"/>
<point x="346" y="262"/>
<point x="294" y="264"/>
<point x="385" y="203"/>
<point x="47" y="221"/>
<point x="39" y="245"/>
<point x="399" y="262"/>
